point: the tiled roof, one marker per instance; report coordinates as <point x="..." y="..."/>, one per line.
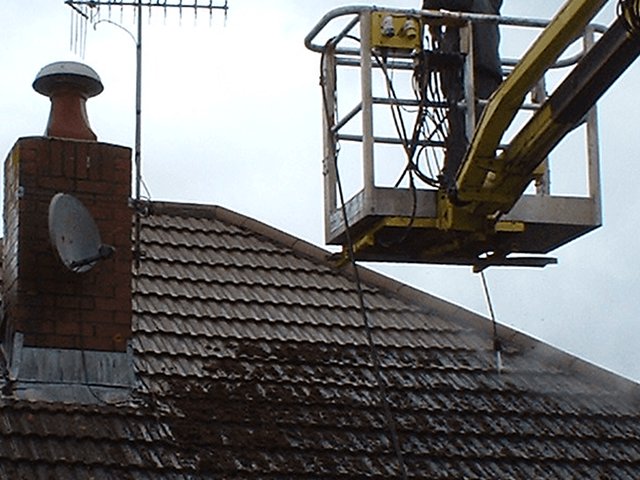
<point x="252" y="363"/>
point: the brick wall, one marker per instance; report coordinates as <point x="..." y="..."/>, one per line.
<point x="51" y="305"/>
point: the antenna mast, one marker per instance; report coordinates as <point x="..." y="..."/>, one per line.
<point x="89" y="11"/>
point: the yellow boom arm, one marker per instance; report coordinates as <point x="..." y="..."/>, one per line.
<point x="481" y="164"/>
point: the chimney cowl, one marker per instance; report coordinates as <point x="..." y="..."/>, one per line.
<point x="68" y="85"/>
<point x="75" y="74"/>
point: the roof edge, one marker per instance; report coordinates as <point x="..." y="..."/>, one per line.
<point x="464" y="317"/>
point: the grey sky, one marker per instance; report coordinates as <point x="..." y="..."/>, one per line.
<point x="232" y="116"/>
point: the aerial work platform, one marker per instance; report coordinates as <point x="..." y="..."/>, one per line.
<point x="385" y="136"/>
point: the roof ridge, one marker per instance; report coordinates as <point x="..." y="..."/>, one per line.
<point x="589" y="372"/>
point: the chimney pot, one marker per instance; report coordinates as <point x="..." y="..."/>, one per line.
<point x="68" y="85"/>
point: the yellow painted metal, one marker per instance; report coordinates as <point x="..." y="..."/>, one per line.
<point x="510" y="227"/>
<point x="540" y="171"/>
<point x="462" y="219"/>
<point x="503" y="186"/>
<point x="396" y="31"/>
<point x="453" y="217"/>
<point x="475" y="234"/>
<point x="405" y="222"/>
<point x="487" y="183"/>
<point x="528" y="144"/>
<point x="454" y="246"/>
<point x="469" y="218"/>
<point x="602" y="65"/>
<point x="367" y="240"/>
<point x="503" y="105"/>
<point x="364" y="242"/>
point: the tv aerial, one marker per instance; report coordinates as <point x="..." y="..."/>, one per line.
<point x="91" y="11"/>
<point x="75" y="235"/>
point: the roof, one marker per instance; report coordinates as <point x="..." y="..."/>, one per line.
<point x="252" y="363"/>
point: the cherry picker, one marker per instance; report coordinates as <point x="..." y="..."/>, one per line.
<point x="499" y="209"/>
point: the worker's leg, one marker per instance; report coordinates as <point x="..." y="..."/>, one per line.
<point x="456" y="142"/>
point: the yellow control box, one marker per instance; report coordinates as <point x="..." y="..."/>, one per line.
<point x="396" y="31"/>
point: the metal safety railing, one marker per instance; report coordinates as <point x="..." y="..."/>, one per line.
<point x="384" y="80"/>
<point x="338" y="52"/>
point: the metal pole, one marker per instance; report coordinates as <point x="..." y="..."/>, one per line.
<point x="467" y="48"/>
<point x="138" y="5"/>
<point x="593" y="150"/>
<point x="330" y="140"/>
<point x="137" y="155"/>
<point x="367" y="105"/>
<point x="137" y="159"/>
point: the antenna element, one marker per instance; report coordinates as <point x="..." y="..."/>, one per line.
<point x="85" y="11"/>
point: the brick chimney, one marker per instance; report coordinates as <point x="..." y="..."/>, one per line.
<point x="61" y="326"/>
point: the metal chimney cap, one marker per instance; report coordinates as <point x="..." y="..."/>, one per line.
<point x="75" y="73"/>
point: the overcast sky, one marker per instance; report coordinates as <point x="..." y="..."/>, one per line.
<point x="232" y="116"/>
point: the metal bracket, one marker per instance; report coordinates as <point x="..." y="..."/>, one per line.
<point x="498" y="261"/>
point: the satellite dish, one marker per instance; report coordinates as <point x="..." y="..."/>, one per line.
<point x="74" y="234"/>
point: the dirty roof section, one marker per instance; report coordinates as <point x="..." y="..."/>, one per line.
<point x="252" y="363"/>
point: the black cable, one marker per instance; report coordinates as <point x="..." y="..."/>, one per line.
<point x="146" y="189"/>
<point x="412" y="217"/>
<point x="409" y="146"/>
<point x="410" y="149"/>
<point x="396" y="115"/>
<point x="373" y="351"/>
<point x="629" y="10"/>
<point x="142" y="206"/>
<point x="435" y="92"/>
<point x="419" y="86"/>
